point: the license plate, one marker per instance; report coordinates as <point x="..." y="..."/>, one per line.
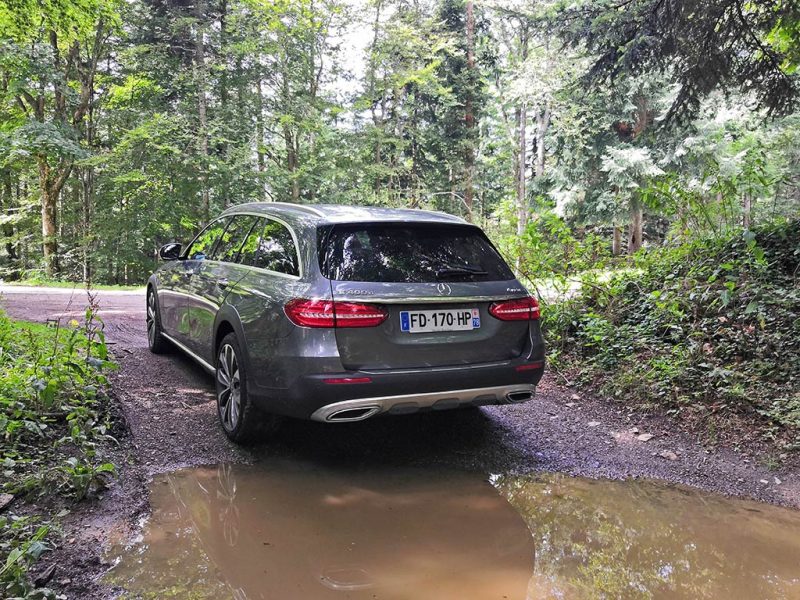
<point x="426" y="321"/>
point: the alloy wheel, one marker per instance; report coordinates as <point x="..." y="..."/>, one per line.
<point x="229" y="396"/>
<point x="151" y="319"/>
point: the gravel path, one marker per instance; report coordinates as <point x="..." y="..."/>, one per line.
<point x="168" y="404"/>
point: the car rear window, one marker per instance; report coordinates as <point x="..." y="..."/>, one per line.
<point x="418" y="253"/>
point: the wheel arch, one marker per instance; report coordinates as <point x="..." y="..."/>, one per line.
<point x="228" y="321"/>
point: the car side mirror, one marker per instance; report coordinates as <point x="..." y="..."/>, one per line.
<point x="170" y="251"/>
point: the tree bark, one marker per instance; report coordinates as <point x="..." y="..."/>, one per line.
<point x="377" y="121"/>
<point x="202" y="107"/>
<point x="469" y="116"/>
<point x="616" y="241"/>
<point x="50" y="186"/>
<point x="7" y="205"/>
<point x="635" y="232"/>
<point x="542" y="124"/>
<point x="260" y="142"/>
<point x="522" y="151"/>
<point x="521" y="113"/>
<point x="641" y="122"/>
<point x="260" y="127"/>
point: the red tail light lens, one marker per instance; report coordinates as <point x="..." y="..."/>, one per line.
<point x="347" y="380"/>
<point x="324" y="313"/>
<point x="530" y="366"/>
<point x="519" y="309"/>
<point x="310" y="313"/>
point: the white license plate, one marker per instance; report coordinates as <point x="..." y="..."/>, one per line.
<point x="454" y="319"/>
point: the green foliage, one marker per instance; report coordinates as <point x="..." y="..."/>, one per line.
<point x="52" y="421"/>
<point x="50" y="394"/>
<point x="704" y="44"/>
<point x="22" y="541"/>
<point x="708" y="329"/>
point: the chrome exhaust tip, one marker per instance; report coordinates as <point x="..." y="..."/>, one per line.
<point x="519" y="396"/>
<point x="353" y="414"/>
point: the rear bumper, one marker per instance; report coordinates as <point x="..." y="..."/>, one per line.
<point x="363" y="408"/>
<point x="314" y="396"/>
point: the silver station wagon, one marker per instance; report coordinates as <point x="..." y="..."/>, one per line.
<point x="338" y="313"/>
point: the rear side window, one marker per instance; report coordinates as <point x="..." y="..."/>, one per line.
<point x="270" y="246"/>
<point x="205" y="243"/>
<point x="419" y="253"/>
<point x="232" y="240"/>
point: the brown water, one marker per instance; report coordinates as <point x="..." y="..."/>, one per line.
<point x="284" y="531"/>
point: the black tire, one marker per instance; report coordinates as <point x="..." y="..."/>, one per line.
<point x="155" y="341"/>
<point x="241" y="422"/>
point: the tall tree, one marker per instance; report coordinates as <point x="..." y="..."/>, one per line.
<point x="703" y="44"/>
<point x="53" y="59"/>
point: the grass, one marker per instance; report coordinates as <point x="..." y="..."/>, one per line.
<point x="55" y="424"/>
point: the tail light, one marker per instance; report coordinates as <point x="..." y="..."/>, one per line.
<point x="530" y="366"/>
<point x="519" y="309"/>
<point x="347" y="380"/>
<point x="325" y="313"/>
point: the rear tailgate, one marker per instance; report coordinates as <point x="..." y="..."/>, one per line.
<point x="428" y="278"/>
<point x="387" y="346"/>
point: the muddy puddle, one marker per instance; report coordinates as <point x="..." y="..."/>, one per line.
<point x="284" y="531"/>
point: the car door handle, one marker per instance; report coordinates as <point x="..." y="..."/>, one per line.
<point x="222" y="283"/>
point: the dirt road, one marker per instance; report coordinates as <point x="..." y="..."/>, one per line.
<point x="169" y="406"/>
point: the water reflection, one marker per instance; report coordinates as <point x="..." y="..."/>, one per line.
<point x="288" y="530"/>
<point x="285" y="531"/>
<point x="608" y="539"/>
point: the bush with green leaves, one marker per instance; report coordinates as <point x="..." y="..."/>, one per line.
<point x="709" y="329"/>
<point x="53" y="422"/>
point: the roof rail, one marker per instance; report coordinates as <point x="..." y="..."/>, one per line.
<point x="304" y="207"/>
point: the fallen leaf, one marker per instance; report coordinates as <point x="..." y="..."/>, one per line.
<point x="5" y="500"/>
<point x="634" y="430"/>
<point x="569" y="404"/>
<point x="645" y="437"/>
<point x="764" y="481"/>
<point x="594" y="423"/>
<point x="777" y="481"/>
<point x="575" y="397"/>
<point x="668" y="454"/>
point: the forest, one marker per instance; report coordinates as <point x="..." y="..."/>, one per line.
<point x="589" y="128"/>
<point x="636" y="161"/>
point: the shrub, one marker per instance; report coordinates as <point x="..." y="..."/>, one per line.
<point x="711" y="327"/>
<point x="52" y="418"/>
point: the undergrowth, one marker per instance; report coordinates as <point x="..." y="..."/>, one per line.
<point x="708" y="330"/>
<point x="53" y="420"/>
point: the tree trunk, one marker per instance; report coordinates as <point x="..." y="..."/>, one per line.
<point x="260" y="127"/>
<point x="522" y="151"/>
<point x="469" y="116"/>
<point x="202" y="119"/>
<point x="292" y="162"/>
<point x="8" y="229"/>
<point x="50" y="186"/>
<point x="635" y="233"/>
<point x="377" y="121"/>
<point x="542" y="123"/>
<point x="616" y="241"/>
<point x="88" y="192"/>
<point x="521" y="113"/>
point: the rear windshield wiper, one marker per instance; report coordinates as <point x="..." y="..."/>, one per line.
<point x="459" y="271"/>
